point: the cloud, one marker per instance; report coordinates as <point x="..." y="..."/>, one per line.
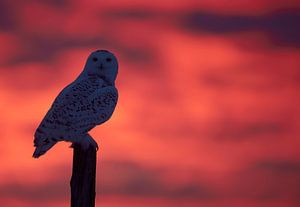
<point x="119" y="178"/>
<point x="238" y="130"/>
<point x="53" y="190"/>
<point x="45" y="49"/>
<point x="279" y="166"/>
<point x="264" y="180"/>
<point x="281" y="26"/>
<point x="60" y="4"/>
<point x="8" y="20"/>
<point x="133" y="180"/>
<point x="267" y="180"/>
<point x="131" y="14"/>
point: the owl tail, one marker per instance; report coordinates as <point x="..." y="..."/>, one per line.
<point x="40" y="150"/>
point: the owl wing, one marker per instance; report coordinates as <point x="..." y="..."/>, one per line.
<point x="79" y="111"/>
<point x="103" y="101"/>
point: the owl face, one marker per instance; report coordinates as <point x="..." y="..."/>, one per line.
<point x="102" y="64"/>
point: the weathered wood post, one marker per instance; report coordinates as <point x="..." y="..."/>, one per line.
<point x="83" y="180"/>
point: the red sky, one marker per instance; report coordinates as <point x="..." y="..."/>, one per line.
<point x="208" y="108"/>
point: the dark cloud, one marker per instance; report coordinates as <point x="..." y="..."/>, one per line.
<point x="129" y="179"/>
<point x="234" y="130"/>
<point x="198" y="21"/>
<point x="270" y="180"/>
<point x="268" y="81"/>
<point x="47" y="47"/>
<point x="131" y="13"/>
<point x="267" y="180"/>
<point x="279" y="166"/>
<point x="139" y="55"/>
<point x="8" y="20"/>
<point x="57" y="3"/>
<point x="51" y="191"/>
<point x="194" y="191"/>
<point x="10" y="16"/>
<point x="43" y="46"/>
<point x="113" y="179"/>
<point x="282" y="26"/>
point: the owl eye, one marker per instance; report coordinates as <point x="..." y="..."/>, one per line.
<point x="95" y="59"/>
<point x="108" y="59"/>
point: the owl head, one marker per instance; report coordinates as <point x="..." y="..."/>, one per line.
<point x="102" y="64"/>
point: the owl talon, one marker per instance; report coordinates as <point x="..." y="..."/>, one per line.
<point x="86" y="142"/>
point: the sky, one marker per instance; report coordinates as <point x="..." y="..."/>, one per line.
<point x="208" y="111"/>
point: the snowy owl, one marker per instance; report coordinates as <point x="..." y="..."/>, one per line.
<point x="87" y="102"/>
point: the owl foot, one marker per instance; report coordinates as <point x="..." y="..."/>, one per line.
<point x="85" y="142"/>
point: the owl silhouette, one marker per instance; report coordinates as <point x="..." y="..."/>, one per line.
<point x="88" y="101"/>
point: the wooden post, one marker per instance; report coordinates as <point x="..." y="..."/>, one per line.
<point x="83" y="180"/>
